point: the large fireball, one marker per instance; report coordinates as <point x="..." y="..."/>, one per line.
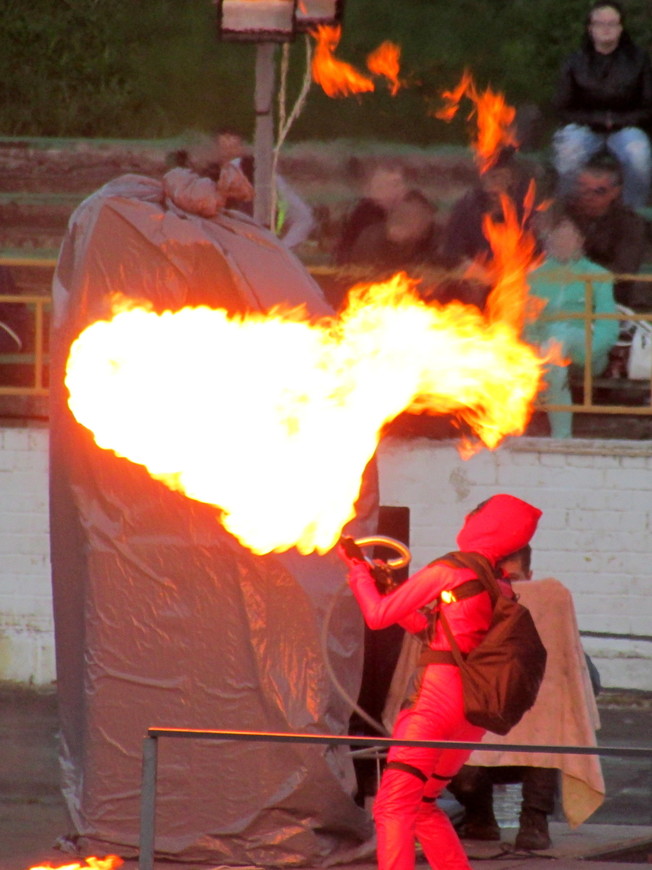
<point x="273" y="418"/>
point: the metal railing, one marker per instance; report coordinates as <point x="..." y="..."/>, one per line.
<point x="37" y="358"/>
<point x="150" y="761"/>
<point x="588" y="380"/>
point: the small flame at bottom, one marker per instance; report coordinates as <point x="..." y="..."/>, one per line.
<point x="111" y="862"/>
<point x="273" y="418"/>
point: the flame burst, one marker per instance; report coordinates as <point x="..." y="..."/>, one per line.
<point x="495" y="118"/>
<point x="337" y="78"/>
<point x="273" y="418"/>
<point x="513" y="245"/>
<point x="514" y="255"/>
<point x="340" y="79"/>
<point x="111" y="862"/>
<point x="385" y="61"/>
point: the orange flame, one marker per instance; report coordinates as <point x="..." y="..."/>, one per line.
<point x="495" y="119"/>
<point x="515" y="255"/>
<point x="513" y="245"/>
<point x="385" y="61"/>
<point x="299" y="412"/>
<point x="337" y="78"/>
<point x="111" y="862"/>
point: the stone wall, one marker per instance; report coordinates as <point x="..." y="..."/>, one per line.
<point x="595" y="535"/>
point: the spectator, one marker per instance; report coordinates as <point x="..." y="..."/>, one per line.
<point x="473" y="785"/>
<point x="294" y="218"/>
<point x="405" y="238"/>
<point x="560" y="283"/>
<point x="604" y="97"/>
<point x="615" y="236"/>
<point x="465" y="247"/>
<point x="385" y="186"/>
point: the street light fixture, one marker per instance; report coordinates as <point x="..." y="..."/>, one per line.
<point x="266" y="23"/>
<point x="256" y="20"/>
<point x="311" y="13"/>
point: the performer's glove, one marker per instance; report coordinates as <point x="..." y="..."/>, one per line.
<point x="382" y="574"/>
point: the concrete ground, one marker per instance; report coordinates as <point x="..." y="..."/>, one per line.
<point x="619" y="834"/>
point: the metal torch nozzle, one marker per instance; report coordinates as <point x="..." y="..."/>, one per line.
<point x="400" y="561"/>
<point x="381" y="571"/>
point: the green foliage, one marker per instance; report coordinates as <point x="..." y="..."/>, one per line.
<point x="61" y="68"/>
<point x="155" y="68"/>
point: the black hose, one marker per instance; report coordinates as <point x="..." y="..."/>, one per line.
<point x="340" y="688"/>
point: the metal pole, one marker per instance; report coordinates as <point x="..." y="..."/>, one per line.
<point x="264" y="133"/>
<point x="148" y="804"/>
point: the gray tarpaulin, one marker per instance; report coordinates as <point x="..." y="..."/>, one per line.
<point x="162" y="618"/>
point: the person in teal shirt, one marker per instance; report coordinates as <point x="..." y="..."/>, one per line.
<point x="560" y="282"/>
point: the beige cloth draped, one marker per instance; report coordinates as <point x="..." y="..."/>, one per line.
<point x="565" y="712"/>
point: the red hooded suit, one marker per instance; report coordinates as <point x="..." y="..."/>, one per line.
<point x="405" y="808"/>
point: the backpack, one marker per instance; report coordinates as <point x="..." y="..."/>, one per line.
<point x="502" y="675"/>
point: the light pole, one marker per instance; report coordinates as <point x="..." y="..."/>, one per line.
<point x="267" y="23"/>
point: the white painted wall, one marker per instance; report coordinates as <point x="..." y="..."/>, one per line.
<point x="26" y="624"/>
<point x="595" y="535"/>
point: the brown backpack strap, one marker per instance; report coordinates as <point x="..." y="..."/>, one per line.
<point x="483" y="569"/>
<point x="480" y="565"/>
<point x="437" y="657"/>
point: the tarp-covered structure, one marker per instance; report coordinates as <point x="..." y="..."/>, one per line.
<point x="162" y="618"/>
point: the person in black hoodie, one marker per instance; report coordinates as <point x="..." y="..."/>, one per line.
<point x="604" y="97"/>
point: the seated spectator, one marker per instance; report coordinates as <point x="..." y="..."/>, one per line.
<point x="604" y="97"/>
<point x="561" y="283"/>
<point x="464" y="237"/>
<point x="465" y="247"/>
<point x="405" y="238"/>
<point x="294" y="218"/>
<point x="615" y="236"/>
<point x="385" y="185"/>
<point x="473" y="785"/>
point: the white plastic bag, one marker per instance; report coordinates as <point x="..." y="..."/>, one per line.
<point x="639" y="339"/>
<point x="639" y="367"/>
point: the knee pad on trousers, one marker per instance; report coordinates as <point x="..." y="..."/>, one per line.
<point x="407" y="768"/>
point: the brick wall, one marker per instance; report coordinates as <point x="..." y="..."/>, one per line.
<point x="595" y="535"/>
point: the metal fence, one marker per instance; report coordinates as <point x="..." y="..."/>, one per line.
<point x="25" y="373"/>
<point x="150" y="761"/>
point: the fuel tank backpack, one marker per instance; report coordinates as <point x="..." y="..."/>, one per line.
<point x="502" y="675"/>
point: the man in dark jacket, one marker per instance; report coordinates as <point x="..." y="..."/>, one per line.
<point x="615" y="236"/>
<point x="604" y="96"/>
<point x="465" y="249"/>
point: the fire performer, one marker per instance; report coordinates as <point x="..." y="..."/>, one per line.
<point x="405" y="809"/>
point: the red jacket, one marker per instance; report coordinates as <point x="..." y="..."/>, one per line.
<point x="500" y="526"/>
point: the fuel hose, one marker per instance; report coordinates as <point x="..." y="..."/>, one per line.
<point x="395" y="563"/>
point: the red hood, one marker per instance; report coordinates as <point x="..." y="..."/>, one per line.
<point x="502" y="525"/>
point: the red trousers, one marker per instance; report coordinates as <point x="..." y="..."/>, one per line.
<point x="405" y="809"/>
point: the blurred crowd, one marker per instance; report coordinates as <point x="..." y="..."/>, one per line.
<point x="584" y="201"/>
